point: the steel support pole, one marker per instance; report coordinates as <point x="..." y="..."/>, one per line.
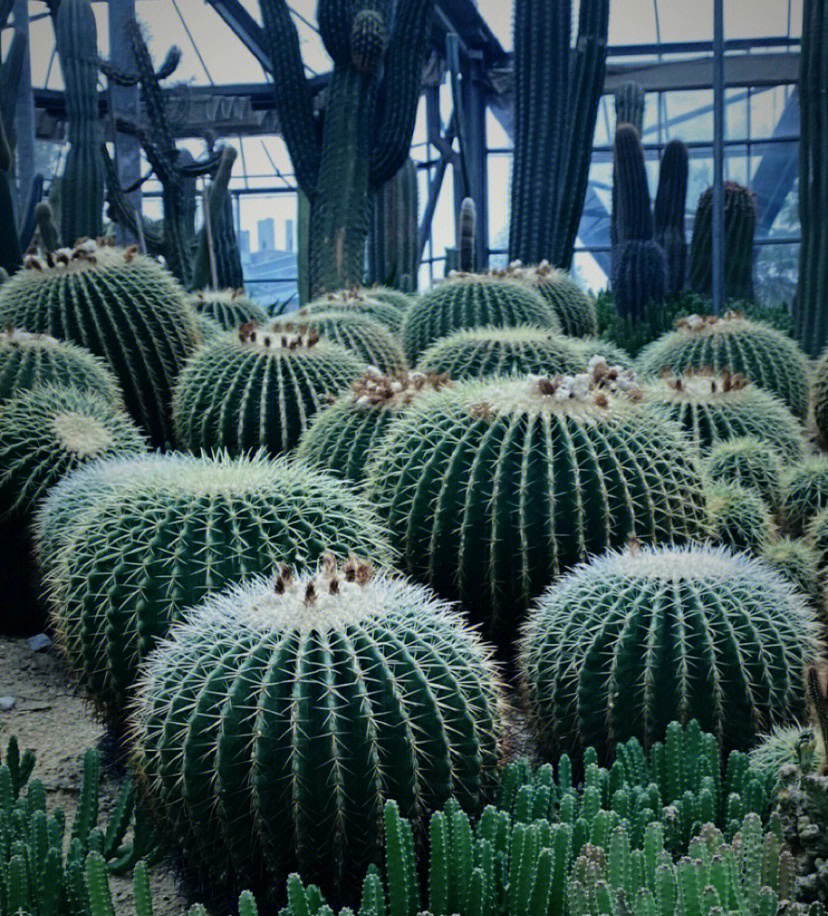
<point x="718" y="157"/>
<point x="24" y="115"/>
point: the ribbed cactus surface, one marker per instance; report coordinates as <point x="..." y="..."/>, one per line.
<point x="175" y="529"/>
<point x="804" y="492"/>
<point x="817" y="534"/>
<point x="229" y="308"/>
<point x="820" y="395"/>
<point x="28" y="360"/>
<point x="574" y="308"/>
<point x="274" y="724"/>
<point x="343" y="437"/>
<point x="367" y="339"/>
<point x="749" y="462"/>
<point x="739" y="518"/>
<point x="669" y="213"/>
<point x="631" y="641"/>
<point x="467" y="301"/>
<point x="122" y="307"/>
<point x="257" y="388"/>
<point x="491" y="489"/>
<point x="714" y="407"/>
<point x="365" y="302"/>
<point x="393" y="244"/>
<point x="798" y="562"/>
<point x="765" y="356"/>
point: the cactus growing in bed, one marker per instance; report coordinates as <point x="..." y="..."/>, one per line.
<point x="749" y="462"/>
<point x="467" y="301"/>
<point x="574" y="308"/>
<point x="630" y="641"/>
<point x="318" y="697"/>
<point x="669" y="212"/>
<point x="343" y="437"/>
<point x="739" y="518"/>
<point x="804" y="493"/>
<point x="714" y="407"/>
<point x="122" y="307"/>
<point x="378" y="51"/>
<point x="258" y="388"/>
<point x="492" y="488"/>
<point x="765" y="356"/>
<point x="393" y="246"/>
<point x="228" y="308"/>
<point x="369" y="303"/>
<point x="798" y="561"/>
<point x="176" y="528"/>
<point x="820" y="395"/>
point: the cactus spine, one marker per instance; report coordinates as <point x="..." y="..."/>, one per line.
<point x="393" y="250"/>
<point x="558" y="85"/>
<point x="378" y="51"/>
<point x="639" y="265"/>
<point x="82" y="182"/>
<point x="670" y="204"/>
<point x="740" y="228"/>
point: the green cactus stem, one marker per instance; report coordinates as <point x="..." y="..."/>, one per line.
<point x="393" y="248"/>
<point x="669" y="211"/>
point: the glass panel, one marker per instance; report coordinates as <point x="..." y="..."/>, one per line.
<point x="776" y="272"/>
<point x="499" y="168"/>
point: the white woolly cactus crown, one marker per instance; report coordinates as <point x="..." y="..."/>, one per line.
<point x="376" y="390"/>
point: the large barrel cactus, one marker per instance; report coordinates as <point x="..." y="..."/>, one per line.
<point x="314" y="699"/>
<point x="28" y="360"/>
<point x="229" y="308"/>
<point x="177" y="528"/>
<point x="342" y="438"/>
<point x="767" y="357"/>
<point x="749" y="462"/>
<point x="257" y="388"/>
<point x="366" y="338"/>
<point x="122" y="307"/>
<point x="491" y="489"/>
<point x="363" y="302"/>
<point x="804" y="492"/>
<point x="574" y="308"/>
<point x="713" y="407"/>
<point x="626" y="644"/>
<point x="472" y="301"/>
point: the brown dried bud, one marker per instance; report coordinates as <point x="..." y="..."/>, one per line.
<point x="279" y="586"/>
<point x="548" y="386"/>
<point x="333" y="585"/>
<point x="601" y="400"/>
<point x="350" y="569"/>
<point x="310" y="593"/>
<point x="364" y="573"/>
<point x="131" y="253"/>
<point x="286" y="573"/>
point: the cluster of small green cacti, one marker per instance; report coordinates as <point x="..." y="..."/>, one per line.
<point x="739" y="518"/>
<point x="228" y="308"/>
<point x="42" y="859"/>
<point x="368" y="340"/>
<point x="804" y="493"/>
<point x="749" y="462"/>
<point x="376" y="304"/>
<point x="715" y="407"/>
<point x="144" y="542"/>
<point x="258" y="388"/>
<point x="319" y="696"/>
<point x="626" y="643"/>
<point x="466" y="301"/>
<point x="574" y="308"/>
<point x="122" y="307"/>
<point x="343" y="437"/>
<point x="765" y="356"/>
<point x="491" y="489"/>
<point x="798" y="561"/>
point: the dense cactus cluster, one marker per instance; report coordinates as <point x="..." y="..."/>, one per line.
<point x="804" y="492"/>
<point x="228" y="308"/>
<point x="739" y="518"/>
<point x="765" y="356"/>
<point x="750" y="463"/>
<point x="574" y="308"/>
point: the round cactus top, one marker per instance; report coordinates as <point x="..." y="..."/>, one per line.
<point x="85" y="255"/>
<point x="19" y="337"/>
<point x="701" y="385"/>
<point x="375" y="391"/>
<point x="539" y="274"/>
<point x="80" y="434"/>
<point x="288" y="337"/>
<point x="218" y="295"/>
<point x="354" y="295"/>
<point x="708" y="325"/>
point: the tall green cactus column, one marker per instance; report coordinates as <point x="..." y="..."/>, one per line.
<point x="393" y="251"/>
<point x="378" y="51"/>
<point x="82" y="183"/>
<point x="811" y="305"/>
<point x="670" y="205"/>
<point x="557" y="91"/>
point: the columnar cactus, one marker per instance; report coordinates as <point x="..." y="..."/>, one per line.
<point x="393" y="248"/>
<point x="82" y="182"/>
<point x="749" y="462"/>
<point x="558" y="86"/>
<point x="368" y="340"/>
<point x="625" y="644"/>
<point x="229" y="308"/>
<point x="317" y="698"/>
<point x="629" y="106"/>
<point x="739" y="518"/>
<point x="717" y="407"/>
<point x="820" y="395"/>
<point x="740" y="228"/>
<point x="343" y="437"/>
<point x="119" y="305"/>
<point x="574" y="308"/>
<point x="257" y="388"/>
<point x="30" y="360"/>
<point x="804" y="493"/>
<point x="798" y="561"/>
<point x="378" y="50"/>
<point x="765" y="356"/>
<point x="472" y="301"/>
<point x="491" y="489"/>
<point x="370" y="303"/>
<point x="176" y="528"/>
<point x="669" y="212"/>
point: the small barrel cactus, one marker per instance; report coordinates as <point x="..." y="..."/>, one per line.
<point x="491" y="489"/>
<point x="375" y="304"/>
<point x="229" y="308"/>
<point x="343" y="436"/>
<point x="750" y="463"/>
<point x="765" y="356"/>
<point x="301" y="705"/>
<point x="479" y="352"/>
<point x="122" y="307"/>
<point x="472" y="301"/>
<point x="739" y="518"/>
<point x="394" y="297"/>
<point x="611" y="353"/>
<point x="208" y="327"/>
<point x="574" y="308"/>
<point x="258" y="388"/>
<point x="365" y="338"/>
<point x="177" y="528"/>
<point x="804" y="493"/>
<point x="631" y="641"/>
<point x="48" y="431"/>
<point x="714" y="407"/>
<point x="798" y="561"/>
<point x="28" y="360"/>
<point x="820" y="395"/>
<point x="789" y="745"/>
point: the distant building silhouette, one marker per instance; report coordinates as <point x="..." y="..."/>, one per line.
<point x="267" y="235"/>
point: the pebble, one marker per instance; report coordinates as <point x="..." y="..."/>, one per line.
<point x="7" y="703"/>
